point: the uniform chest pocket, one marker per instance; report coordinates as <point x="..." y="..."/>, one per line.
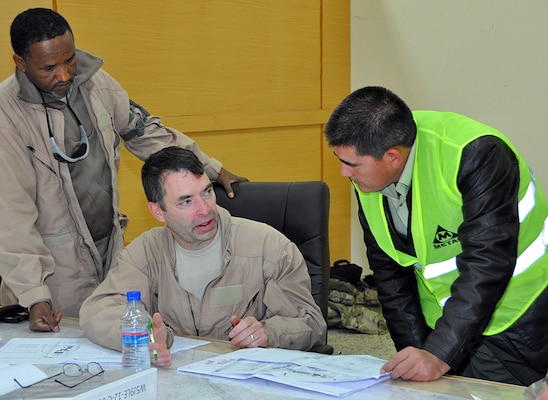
<point x="108" y="132"/>
<point x="226" y="295"/>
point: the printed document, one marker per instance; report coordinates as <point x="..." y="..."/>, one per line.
<point x="334" y="375"/>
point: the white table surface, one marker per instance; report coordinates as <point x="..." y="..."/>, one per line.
<point x="176" y="385"/>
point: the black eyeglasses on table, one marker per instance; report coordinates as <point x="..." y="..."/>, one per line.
<point x="72" y="370"/>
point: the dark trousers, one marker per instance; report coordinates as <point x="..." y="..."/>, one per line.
<point x="519" y="355"/>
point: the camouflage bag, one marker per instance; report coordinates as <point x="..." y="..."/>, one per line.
<point x="354" y="308"/>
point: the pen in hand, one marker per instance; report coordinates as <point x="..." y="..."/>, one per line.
<point x="151" y="334"/>
<point x="243" y="314"/>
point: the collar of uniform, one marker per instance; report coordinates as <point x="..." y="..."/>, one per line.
<point x="398" y="190"/>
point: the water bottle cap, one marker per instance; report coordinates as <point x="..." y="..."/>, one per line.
<point x="133" y="295"/>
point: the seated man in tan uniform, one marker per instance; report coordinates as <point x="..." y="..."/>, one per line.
<point x="205" y="273"/>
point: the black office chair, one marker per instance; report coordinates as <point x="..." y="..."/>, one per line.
<point x="300" y="210"/>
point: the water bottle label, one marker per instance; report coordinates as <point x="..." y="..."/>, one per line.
<point x="135" y="338"/>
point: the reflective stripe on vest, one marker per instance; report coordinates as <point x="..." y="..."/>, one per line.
<point x="528" y="202"/>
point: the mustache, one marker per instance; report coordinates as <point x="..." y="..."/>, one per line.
<point x="212" y="216"/>
<point x="63" y="84"/>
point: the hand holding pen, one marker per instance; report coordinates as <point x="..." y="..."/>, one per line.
<point x="247" y="332"/>
<point x="43" y="318"/>
<point x="161" y="356"/>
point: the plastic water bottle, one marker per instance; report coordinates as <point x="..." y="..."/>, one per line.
<point x="134" y="323"/>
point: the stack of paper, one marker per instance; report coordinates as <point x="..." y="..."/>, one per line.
<point x="332" y="375"/>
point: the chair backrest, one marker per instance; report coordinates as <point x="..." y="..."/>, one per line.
<point x="300" y="210"/>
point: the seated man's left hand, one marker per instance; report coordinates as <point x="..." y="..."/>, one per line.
<point x="415" y="364"/>
<point x="160" y="336"/>
<point x="247" y="332"/>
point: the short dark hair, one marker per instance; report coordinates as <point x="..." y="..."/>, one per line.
<point x="371" y="119"/>
<point x="159" y="164"/>
<point x="36" y="25"/>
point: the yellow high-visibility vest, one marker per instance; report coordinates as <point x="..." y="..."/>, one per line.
<point x="436" y="214"/>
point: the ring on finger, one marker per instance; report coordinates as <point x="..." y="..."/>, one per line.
<point x="252" y="337"/>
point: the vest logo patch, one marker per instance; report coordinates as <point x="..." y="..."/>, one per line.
<point x="444" y="238"/>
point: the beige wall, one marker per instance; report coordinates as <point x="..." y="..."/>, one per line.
<point x="251" y="81"/>
<point x="486" y="59"/>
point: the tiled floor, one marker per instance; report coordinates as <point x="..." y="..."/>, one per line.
<point x="350" y="342"/>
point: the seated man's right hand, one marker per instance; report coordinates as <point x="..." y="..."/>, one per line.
<point x="43" y="318"/>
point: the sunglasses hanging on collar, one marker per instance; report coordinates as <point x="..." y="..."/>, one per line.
<point x="83" y="148"/>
